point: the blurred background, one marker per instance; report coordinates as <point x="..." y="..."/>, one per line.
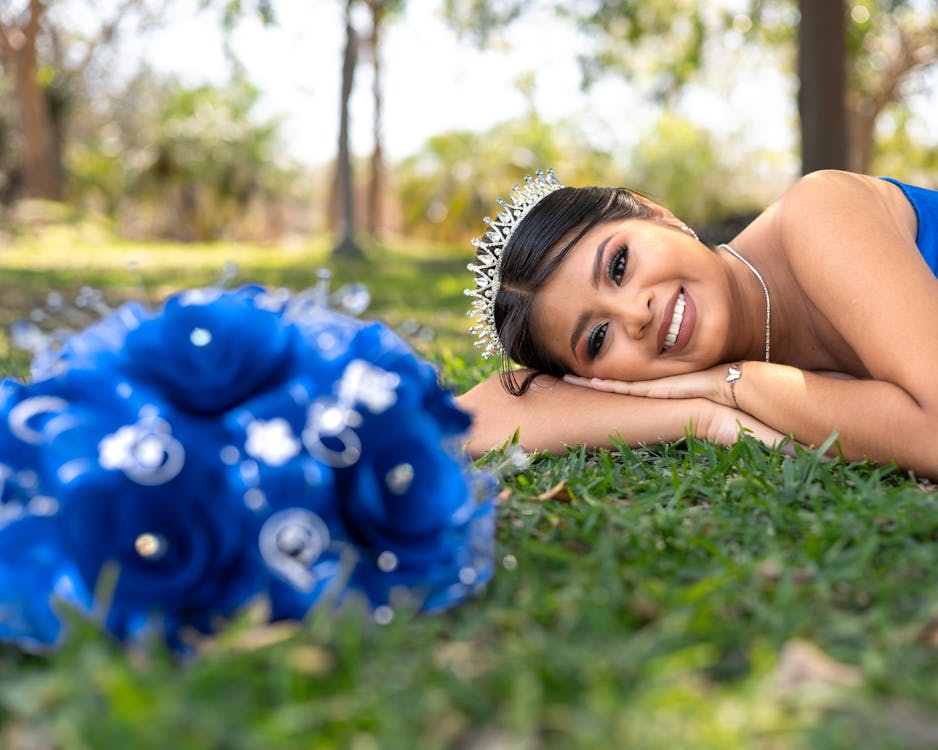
<point x="361" y="120"/>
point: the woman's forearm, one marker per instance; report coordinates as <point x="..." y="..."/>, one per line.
<point x="874" y="419"/>
<point x="553" y="414"/>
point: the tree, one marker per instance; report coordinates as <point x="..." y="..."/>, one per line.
<point x="683" y="166"/>
<point x="822" y="88"/>
<point x="888" y="45"/>
<point x="18" y="50"/>
<point x="45" y="55"/>
<point x="30" y="51"/>
<point x="344" y="189"/>
<point x="379" y="11"/>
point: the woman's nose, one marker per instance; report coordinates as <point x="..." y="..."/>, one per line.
<point x="638" y="316"/>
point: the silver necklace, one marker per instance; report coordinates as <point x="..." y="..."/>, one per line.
<point x="768" y="302"/>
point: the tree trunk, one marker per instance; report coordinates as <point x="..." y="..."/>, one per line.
<point x="861" y="122"/>
<point x="343" y="182"/>
<point x="18" y="48"/>
<point x="823" y="84"/>
<point x="376" y="183"/>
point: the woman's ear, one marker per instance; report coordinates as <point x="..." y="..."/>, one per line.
<point x="658" y="211"/>
<point x="662" y="214"/>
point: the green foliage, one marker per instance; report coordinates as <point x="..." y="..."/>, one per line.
<point x="889" y="51"/>
<point x="233" y="11"/>
<point x="481" y="18"/>
<point x="183" y="162"/>
<point x="658" y="43"/>
<point x="901" y="154"/>
<point x="888" y="37"/>
<point x="452" y="182"/>
<point x="679" y="165"/>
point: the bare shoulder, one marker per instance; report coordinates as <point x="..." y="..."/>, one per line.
<point x="849" y="241"/>
<point x="830" y="205"/>
<point x="844" y="231"/>
<point x="826" y="184"/>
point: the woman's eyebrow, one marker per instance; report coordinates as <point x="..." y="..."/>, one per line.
<point x="598" y="261"/>
<point x="584" y="316"/>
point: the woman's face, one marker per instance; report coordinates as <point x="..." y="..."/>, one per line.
<point x="636" y="299"/>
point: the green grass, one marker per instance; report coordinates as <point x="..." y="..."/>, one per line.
<point x="659" y="599"/>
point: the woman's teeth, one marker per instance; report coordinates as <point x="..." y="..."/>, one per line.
<point x="675" y="328"/>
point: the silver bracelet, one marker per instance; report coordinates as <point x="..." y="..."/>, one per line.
<point x="733" y="374"/>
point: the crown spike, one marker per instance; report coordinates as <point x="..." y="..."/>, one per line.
<point x="489" y="247"/>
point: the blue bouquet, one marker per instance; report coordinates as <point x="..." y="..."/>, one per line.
<point x="229" y="446"/>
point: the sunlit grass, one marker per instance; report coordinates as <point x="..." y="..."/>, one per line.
<point x="415" y="287"/>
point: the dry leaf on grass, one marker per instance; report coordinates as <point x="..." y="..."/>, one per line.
<point x="310" y="660"/>
<point x="558" y="492"/>
<point x="250" y="639"/>
<point x="465" y="658"/>
<point x="928" y="635"/>
<point x="802" y="664"/>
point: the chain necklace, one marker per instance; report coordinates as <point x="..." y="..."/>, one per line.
<point x="768" y="302"/>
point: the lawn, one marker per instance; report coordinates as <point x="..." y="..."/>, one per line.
<point x="673" y="596"/>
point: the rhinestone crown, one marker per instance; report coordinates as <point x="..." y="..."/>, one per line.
<point x="489" y="247"/>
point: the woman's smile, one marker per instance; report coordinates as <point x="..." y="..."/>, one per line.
<point x="677" y="324"/>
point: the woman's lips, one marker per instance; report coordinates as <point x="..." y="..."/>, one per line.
<point x="686" y="322"/>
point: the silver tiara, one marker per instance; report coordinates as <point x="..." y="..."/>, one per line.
<point x="488" y="265"/>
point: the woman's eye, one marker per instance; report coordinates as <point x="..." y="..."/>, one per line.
<point x="596" y="338"/>
<point x="616" y="268"/>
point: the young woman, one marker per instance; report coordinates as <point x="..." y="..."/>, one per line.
<point x="818" y="317"/>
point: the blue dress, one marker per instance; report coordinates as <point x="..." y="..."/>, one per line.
<point x="925" y="203"/>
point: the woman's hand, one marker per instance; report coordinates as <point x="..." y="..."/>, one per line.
<point x="725" y="426"/>
<point x="554" y="414"/>
<point x="710" y="384"/>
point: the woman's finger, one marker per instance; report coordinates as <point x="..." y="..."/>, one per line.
<point x="577" y="380"/>
<point x="691" y="385"/>
<point x="609" y="386"/>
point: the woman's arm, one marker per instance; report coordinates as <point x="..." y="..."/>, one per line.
<point x="553" y="414"/>
<point x="873" y="419"/>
